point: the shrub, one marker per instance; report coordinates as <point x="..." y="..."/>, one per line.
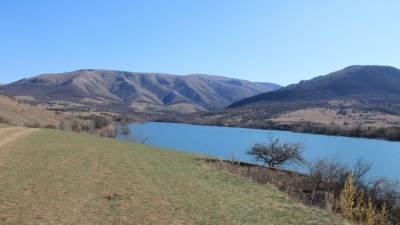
<point x="4" y="120"/>
<point x="50" y="126"/>
<point x="125" y="130"/>
<point x="76" y="126"/>
<point x="353" y="206"/>
<point x="87" y="126"/>
<point x="276" y="154"/>
<point x="32" y="124"/>
<point x="329" y="174"/>
<point x="347" y="199"/>
<point x="108" y="131"/>
<point x="376" y="217"/>
<point x="101" y="122"/>
<point x="62" y="125"/>
<point x="385" y="191"/>
<point x="332" y="185"/>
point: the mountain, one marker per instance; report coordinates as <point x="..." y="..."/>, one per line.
<point x="142" y="92"/>
<point x="360" y="101"/>
<point x="364" y="83"/>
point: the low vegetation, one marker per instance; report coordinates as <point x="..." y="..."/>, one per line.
<point x="260" y="120"/>
<point x="56" y="177"/>
<point x="330" y="184"/>
<point x="354" y="206"/>
<point x="275" y="154"/>
<point x="17" y="113"/>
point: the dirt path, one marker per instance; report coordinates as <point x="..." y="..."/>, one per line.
<point x="10" y="134"/>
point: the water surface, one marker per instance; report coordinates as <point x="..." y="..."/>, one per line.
<point x="228" y="142"/>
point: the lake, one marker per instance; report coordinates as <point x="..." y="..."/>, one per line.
<point x="228" y="143"/>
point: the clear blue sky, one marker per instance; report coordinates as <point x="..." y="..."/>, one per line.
<point x="265" y="40"/>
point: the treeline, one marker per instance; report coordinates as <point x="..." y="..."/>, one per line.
<point x="391" y="133"/>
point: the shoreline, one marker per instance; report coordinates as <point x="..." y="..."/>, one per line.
<point x="290" y="128"/>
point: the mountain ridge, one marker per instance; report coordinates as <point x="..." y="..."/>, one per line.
<point x="350" y="82"/>
<point x="145" y="92"/>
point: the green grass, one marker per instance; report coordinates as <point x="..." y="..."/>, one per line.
<point x="55" y="177"/>
<point x="2" y="125"/>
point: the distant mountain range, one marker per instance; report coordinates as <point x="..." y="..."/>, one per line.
<point x="380" y="84"/>
<point x="139" y="92"/>
<point x="355" y="101"/>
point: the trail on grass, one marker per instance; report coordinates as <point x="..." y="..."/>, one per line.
<point x="11" y="134"/>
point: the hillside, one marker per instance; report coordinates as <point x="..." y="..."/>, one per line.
<point x="363" y="83"/>
<point x="17" y="113"/>
<point x="55" y="177"/>
<point x="140" y="92"/>
<point x="359" y="101"/>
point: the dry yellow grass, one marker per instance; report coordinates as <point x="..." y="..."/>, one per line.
<point x="350" y="120"/>
<point x="20" y="114"/>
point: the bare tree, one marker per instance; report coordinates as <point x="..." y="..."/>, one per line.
<point x="385" y="190"/>
<point x="329" y="171"/>
<point x="275" y="154"/>
<point x="361" y="168"/>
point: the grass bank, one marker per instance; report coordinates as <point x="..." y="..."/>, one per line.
<point x="55" y="177"/>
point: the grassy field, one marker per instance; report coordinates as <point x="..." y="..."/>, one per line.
<point x="54" y="177"/>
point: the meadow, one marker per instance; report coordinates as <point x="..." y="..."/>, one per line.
<point x="57" y="177"/>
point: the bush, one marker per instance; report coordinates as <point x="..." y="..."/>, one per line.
<point x="329" y="171"/>
<point x="101" y="122"/>
<point x="108" y="131"/>
<point x="125" y="130"/>
<point x="385" y="191"/>
<point x="348" y="197"/>
<point x="4" y="120"/>
<point x="32" y="124"/>
<point x="276" y="154"/>
<point x="76" y="126"/>
<point x="354" y="207"/>
<point x="87" y="126"/>
<point x="50" y="126"/>
<point x="331" y="184"/>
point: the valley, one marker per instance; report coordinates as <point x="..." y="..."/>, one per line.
<point x="136" y="112"/>
<point x="93" y="103"/>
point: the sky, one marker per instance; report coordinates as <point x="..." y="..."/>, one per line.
<point x="281" y="41"/>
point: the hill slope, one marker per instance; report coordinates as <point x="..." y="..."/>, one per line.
<point x="366" y="83"/>
<point x="360" y="101"/>
<point x="143" y="92"/>
<point x="20" y="114"/>
<point x="54" y="177"/>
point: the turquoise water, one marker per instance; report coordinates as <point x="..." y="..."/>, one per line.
<point x="227" y="142"/>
